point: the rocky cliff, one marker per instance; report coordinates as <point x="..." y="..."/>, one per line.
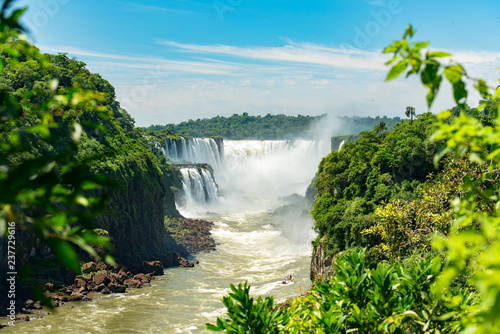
<point x="135" y="214"/>
<point x="321" y="263"/>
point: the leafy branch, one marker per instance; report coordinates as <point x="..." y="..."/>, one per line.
<point x="408" y="56"/>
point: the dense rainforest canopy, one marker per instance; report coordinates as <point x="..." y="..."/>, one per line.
<point x="270" y="127"/>
<point x="352" y="182"/>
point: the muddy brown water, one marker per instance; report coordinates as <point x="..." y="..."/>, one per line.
<point x="250" y="248"/>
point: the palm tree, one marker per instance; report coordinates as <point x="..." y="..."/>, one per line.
<point x="410" y="112"/>
<point x="380" y="128"/>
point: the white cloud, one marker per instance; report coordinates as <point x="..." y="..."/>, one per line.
<point x="305" y="53"/>
<point x="198" y="81"/>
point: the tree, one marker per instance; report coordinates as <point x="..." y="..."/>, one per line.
<point x="410" y="112"/>
<point x="380" y="128"/>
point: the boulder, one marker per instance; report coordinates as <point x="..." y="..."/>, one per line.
<point x="117" y="288"/>
<point x="75" y="295"/>
<point x="132" y="283"/>
<point x="121" y="277"/>
<point x="89" y="267"/>
<point x="155" y="267"/>
<point x="99" y="279"/>
<point x="143" y="278"/>
<point x="101" y="266"/>
<point x="184" y="263"/>
<point x="22" y="317"/>
<point x="80" y="282"/>
<point x="99" y="287"/>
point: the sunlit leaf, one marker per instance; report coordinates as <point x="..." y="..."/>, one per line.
<point x="438" y="54"/>
<point x="77" y="132"/>
<point x="453" y="73"/>
<point x="397" y="69"/>
<point x="459" y="92"/>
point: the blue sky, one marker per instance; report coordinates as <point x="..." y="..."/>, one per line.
<point x="186" y="59"/>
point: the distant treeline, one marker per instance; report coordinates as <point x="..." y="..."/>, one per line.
<point x="269" y="127"/>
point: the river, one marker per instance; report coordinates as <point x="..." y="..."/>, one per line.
<point x="250" y="248"/>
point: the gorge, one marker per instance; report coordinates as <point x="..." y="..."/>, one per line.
<point x="249" y="180"/>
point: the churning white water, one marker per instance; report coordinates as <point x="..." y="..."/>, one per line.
<point x="199" y="187"/>
<point x="260" y="173"/>
<point x="254" y="174"/>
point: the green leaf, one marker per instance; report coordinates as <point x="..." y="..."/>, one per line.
<point x="482" y="88"/>
<point x="213" y="328"/>
<point x="438" y="54"/>
<point x="429" y="73"/>
<point x="397" y="69"/>
<point x="453" y="73"/>
<point x="409" y="32"/>
<point x="65" y="252"/>
<point x="420" y="45"/>
<point x="476" y="158"/>
<point x="459" y="93"/>
<point x="433" y="89"/>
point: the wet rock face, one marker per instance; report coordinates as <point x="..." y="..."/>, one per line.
<point x="321" y="264"/>
<point x="99" y="279"/>
<point x="186" y="263"/>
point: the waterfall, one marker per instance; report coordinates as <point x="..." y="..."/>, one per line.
<point x="198" y="150"/>
<point x="245" y="171"/>
<point x="341" y="144"/>
<point x="264" y="171"/>
<point x="198" y="186"/>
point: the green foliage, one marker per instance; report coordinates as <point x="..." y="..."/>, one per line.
<point x="68" y="154"/>
<point x="378" y="166"/>
<point x="245" y="315"/>
<point x="408" y="55"/>
<point x="46" y="190"/>
<point x="405" y="226"/>
<point x="384" y="299"/>
<point x="473" y="242"/>
<point x="266" y="127"/>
